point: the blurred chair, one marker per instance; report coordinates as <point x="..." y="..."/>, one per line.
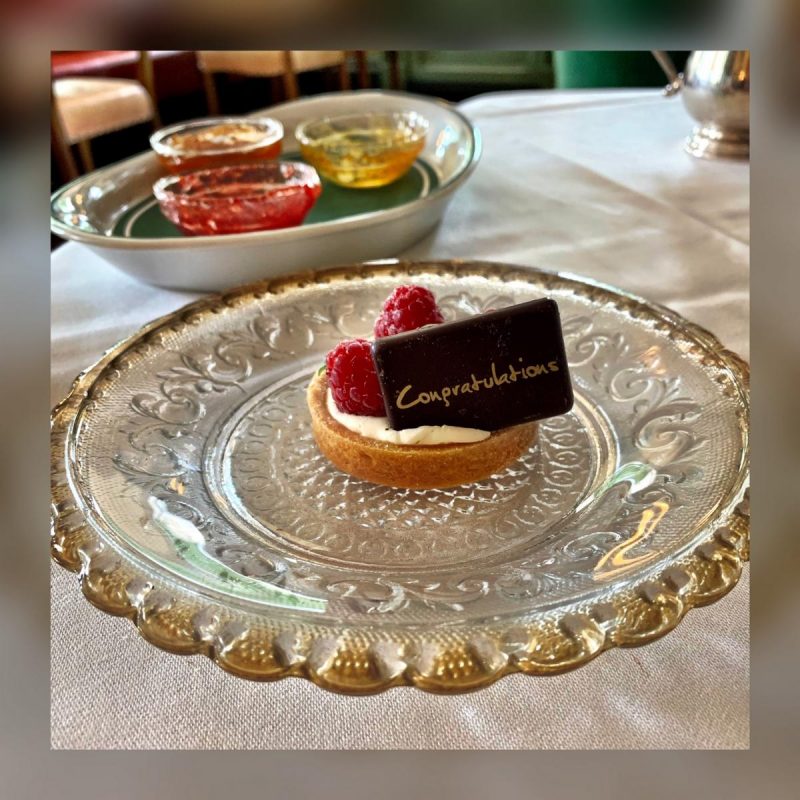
<point x="393" y="61"/>
<point x="86" y="107"/>
<point x="284" y="64"/>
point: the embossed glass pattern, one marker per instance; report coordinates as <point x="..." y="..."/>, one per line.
<point x="189" y="456"/>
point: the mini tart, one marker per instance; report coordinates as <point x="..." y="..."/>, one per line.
<point x="412" y="466"/>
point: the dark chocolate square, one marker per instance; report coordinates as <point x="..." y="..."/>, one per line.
<point x="488" y="371"/>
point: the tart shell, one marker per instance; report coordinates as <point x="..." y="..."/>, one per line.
<point x="412" y="466"/>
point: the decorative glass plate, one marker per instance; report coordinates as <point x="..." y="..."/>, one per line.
<point x="189" y="493"/>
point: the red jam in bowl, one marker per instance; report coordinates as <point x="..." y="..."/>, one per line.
<point x="217" y="142"/>
<point x="239" y="199"/>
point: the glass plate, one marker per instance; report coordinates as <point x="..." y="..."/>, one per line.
<point x="189" y="492"/>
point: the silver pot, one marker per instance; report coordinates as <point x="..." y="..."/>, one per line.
<point x="716" y="91"/>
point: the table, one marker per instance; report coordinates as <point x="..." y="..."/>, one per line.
<point x="594" y="183"/>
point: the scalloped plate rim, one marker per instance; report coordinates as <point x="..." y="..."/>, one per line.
<point x="727" y="544"/>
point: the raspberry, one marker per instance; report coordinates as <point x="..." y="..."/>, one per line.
<point x="353" y="379"/>
<point x="407" y="308"/>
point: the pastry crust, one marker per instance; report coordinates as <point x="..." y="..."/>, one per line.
<point x="412" y="466"/>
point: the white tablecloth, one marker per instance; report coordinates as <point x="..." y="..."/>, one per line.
<point x="591" y="182"/>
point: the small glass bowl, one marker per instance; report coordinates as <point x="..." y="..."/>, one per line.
<point x="217" y="142"/>
<point x="239" y="199"/>
<point x="363" y="151"/>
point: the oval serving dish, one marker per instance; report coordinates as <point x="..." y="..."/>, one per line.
<point x="113" y="211"/>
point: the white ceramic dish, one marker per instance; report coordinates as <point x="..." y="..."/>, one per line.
<point x="101" y="210"/>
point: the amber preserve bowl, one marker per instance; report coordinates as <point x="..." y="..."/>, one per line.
<point x="239" y="199"/>
<point x="363" y="151"/>
<point x="217" y="142"/>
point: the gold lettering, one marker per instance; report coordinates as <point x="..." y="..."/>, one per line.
<point x="399" y="402"/>
<point x="476" y="384"/>
<point x="501" y="380"/>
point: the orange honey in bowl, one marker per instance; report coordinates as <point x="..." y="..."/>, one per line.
<point x="217" y="142"/>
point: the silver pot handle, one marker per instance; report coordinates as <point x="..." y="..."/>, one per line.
<point x="674" y="77"/>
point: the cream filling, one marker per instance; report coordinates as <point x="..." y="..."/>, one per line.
<point x="378" y="428"/>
